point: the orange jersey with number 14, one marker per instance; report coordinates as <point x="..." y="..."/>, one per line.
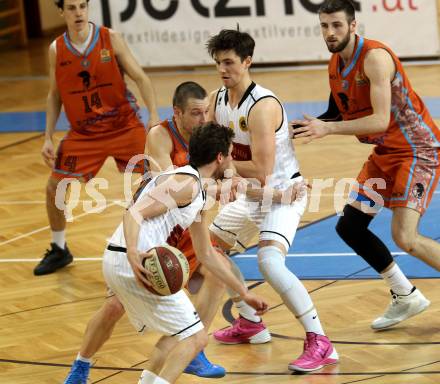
<point x="91" y="85"/>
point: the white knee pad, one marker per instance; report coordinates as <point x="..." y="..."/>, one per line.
<point x="234" y="268"/>
<point x="273" y="268"/>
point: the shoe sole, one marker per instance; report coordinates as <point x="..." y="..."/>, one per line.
<point x="427" y="304"/>
<point x="261" y="337"/>
<point x="62" y="265"/>
<point x="206" y="376"/>
<point x="295" y="368"/>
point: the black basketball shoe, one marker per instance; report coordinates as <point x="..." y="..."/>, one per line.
<point x="54" y="258"/>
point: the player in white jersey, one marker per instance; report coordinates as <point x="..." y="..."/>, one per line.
<point x="171" y="199"/>
<point x="262" y="151"/>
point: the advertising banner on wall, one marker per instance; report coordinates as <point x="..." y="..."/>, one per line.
<point x="174" y="32"/>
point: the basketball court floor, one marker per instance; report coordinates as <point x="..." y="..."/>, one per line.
<point x="42" y="319"/>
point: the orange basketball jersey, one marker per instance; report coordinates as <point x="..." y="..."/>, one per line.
<point x="179" y="155"/>
<point x="91" y="85"/>
<point x="411" y="128"/>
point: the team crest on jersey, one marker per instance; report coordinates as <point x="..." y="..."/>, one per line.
<point x="231" y="124"/>
<point x="105" y="56"/>
<point x="242" y="124"/>
<point x="345" y="84"/>
<point x="360" y="79"/>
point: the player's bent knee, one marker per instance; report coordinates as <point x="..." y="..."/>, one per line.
<point x="113" y="309"/>
<point x="51" y="187"/>
<point x="404" y="241"/>
<point x="271" y="262"/>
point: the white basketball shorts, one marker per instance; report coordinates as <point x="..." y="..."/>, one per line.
<point x="172" y="315"/>
<point x="243" y="219"/>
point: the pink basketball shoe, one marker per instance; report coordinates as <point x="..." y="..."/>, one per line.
<point x="318" y="352"/>
<point x="243" y="331"/>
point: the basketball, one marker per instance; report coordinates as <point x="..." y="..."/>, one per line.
<point x="170" y="270"/>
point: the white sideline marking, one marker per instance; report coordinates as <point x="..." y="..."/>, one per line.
<point x="46" y="227"/>
<point x="252" y="256"/>
<point x="235" y="257"/>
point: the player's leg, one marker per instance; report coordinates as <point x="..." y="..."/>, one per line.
<point x="405" y="234"/>
<point x="179" y="356"/>
<point x="368" y="198"/>
<point x="58" y="256"/>
<point x="277" y="231"/>
<point x="209" y="292"/>
<point x="77" y="158"/>
<point x="98" y="331"/>
<point x="232" y="227"/>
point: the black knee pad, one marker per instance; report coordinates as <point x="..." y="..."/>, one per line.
<point x="352" y="223"/>
<point x="352" y="227"/>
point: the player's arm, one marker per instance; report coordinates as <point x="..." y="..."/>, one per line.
<point x="136" y="73"/>
<point x="158" y="148"/>
<point x="53" y="108"/>
<point x="212" y="98"/>
<point x="263" y="120"/>
<point x="379" y="68"/>
<point x="173" y="191"/>
<point x="211" y="259"/>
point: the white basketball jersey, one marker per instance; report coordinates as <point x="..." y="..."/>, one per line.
<point x="168" y="227"/>
<point x="286" y="164"/>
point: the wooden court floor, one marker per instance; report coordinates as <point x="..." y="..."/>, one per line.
<point x="42" y="319"/>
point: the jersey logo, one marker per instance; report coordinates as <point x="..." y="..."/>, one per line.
<point x="85" y="76"/>
<point x="242" y="124"/>
<point x="360" y="79"/>
<point x="418" y="190"/>
<point x="105" y="56"/>
<point x="345" y="84"/>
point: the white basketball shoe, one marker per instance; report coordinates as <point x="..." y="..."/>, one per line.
<point x="401" y="308"/>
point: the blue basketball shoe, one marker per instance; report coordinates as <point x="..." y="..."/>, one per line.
<point x="79" y="373"/>
<point x="202" y="367"/>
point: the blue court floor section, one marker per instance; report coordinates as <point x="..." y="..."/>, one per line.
<point x="35" y="121"/>
<point x="319" y="253"/>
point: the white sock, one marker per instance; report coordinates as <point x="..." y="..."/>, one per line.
<point x="84" y="359"/>
<point x="246" y="311"/>
<point x="397" y="281"/>
<point x="147" y="377"/>
<point x="311" y="323"/>
<point x="59" y="238"/>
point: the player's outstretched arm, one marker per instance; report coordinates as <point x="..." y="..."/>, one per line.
<point x="136" y="73"/>
<point x="53" y="108"/>
<point x="211" y="259"/>
<point x="379" y="68"/>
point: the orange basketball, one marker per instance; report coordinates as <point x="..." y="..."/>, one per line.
<point x="169" y="268"/>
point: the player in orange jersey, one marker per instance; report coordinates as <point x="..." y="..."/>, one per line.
<point x="86" y="71"/>
<point x="167" y="147"/>
<point x="371" y="93"/>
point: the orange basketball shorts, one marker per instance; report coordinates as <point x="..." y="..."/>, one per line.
<point x="400" y="179"/>
<point x="82" y="156"/>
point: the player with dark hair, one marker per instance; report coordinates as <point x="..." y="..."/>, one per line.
<point x="263" y="151"/>
<point x="170" y="203"/>
<point x="371" y="94"/>
<point x="167" y="148"/>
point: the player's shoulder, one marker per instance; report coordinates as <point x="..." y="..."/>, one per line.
<point x="159" y="134"/>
